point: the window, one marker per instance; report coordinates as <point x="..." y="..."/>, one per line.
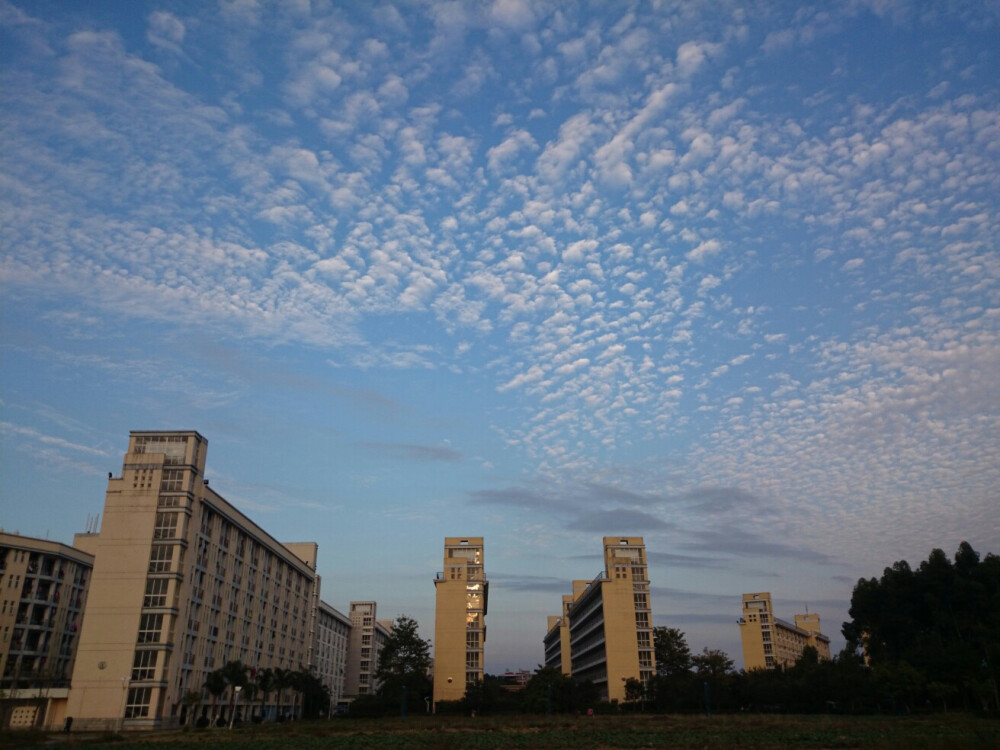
<point x="166" y="526"/>
<point x="645" y="659"/>
<point x="642" y="619"/>
<point x="137" y="705"/>
<point x="160" y="558"/>
<point x="641" y="602"/>
<point x="472" y="640"/>
<point x="149" y="628"/>
<point x="156" y="592"/>
<point x="472" y="660"/>
<point x="172" y="480"/>
<point x="144" y="665"/>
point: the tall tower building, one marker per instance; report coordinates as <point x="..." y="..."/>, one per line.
<point x="609" y="622"/>
<point x="769" y="642"/>
<point x="182" y="583"/>
<point x="367" y="639"/>
<point x="459" y="618"/>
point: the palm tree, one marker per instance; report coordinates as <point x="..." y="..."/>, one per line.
<point x="215" y="684"/>
<point x="266" y="683"/>
<point x="281" y="681"/>
<point x="191" y="699"/>
<point x="235" y="675"/>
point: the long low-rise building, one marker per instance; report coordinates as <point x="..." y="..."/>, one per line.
<point x="605" y="633"/>
<point x="769" y="642"/>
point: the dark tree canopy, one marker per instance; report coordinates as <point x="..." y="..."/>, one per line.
<point x="673" y="657"/>
<point x="932" y="631"/>
<point x="405" y="653"/>
<point x="404" y="663"/>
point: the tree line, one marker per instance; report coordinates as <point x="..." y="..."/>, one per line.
<point x="919" y="640"/>
<point x="248" y="694"/>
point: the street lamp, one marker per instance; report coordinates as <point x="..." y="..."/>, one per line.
<point x="121" y="720"/>
<point x="236" y="690"/>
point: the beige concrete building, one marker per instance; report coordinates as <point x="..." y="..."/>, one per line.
<point x="769" y="642"/>
<point x="556" y="642"/>
<point x="461" y="594"/>
<point x="182" y="583"/>
<point x="609" y="622"/>
<point x="333" y="632"/>
<point x="367" y="638"/>
<point x="43" y="592"/>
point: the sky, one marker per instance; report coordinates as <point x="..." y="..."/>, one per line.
<point x="721" y="274"/>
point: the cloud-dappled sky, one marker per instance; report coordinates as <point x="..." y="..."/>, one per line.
<point x="722" y="274"/>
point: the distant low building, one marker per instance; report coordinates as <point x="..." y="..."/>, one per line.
<point x="515" y="682"/>
<point x="769" y="642"/>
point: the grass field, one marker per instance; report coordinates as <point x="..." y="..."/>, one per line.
<point x="420" y="733"/>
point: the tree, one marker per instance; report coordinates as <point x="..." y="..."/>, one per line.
<point x="266" y="684"/>
<point x="937" y="626"/>
<point x="712" y="663"/>
<point x="235" y="675"/>
<point x="215" y="684"/>
<point x="715" y="670"/>
<point x="403" y="666"/>
<point x="551" y="690"/>
<point x="673" y="656"/>
<point x="190" y="700"/>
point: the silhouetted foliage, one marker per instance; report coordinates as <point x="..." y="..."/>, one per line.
<point x="673" y="657"/>
<point x="549" y="689"/>
<point x="402" y="668"/>
<point x="932" y="635"/>
<point x="487" y="697"/>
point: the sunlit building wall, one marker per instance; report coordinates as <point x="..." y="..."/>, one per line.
<point x="769" y="642"/>
<point x="610" y="622"/>
<point x="183" y="583"/>
<point x="461" y="593"/>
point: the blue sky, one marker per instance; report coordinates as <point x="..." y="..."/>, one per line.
<point x="721" y="274"/>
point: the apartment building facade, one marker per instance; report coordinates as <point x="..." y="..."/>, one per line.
<point x="609" y="623"/>
<point x="769" y="642"/>
<point x="333" y="633"/>
<point x="461" y="598"/>
<point x="182" y="583"/>
<point x="367" y="639"/>
<point x="43" y="592"/>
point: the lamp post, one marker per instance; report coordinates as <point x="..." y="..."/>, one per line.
<point x="121" y="720"/>
<point x="236" y="691"/>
